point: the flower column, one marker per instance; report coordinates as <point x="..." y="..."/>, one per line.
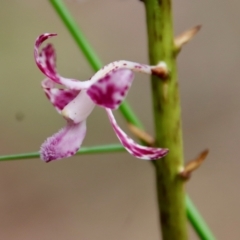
<point x="167" y="121"/>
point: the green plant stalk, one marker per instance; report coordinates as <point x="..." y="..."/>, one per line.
<point x="166" y="106"/>
<point x="197" y="221"/>
<point x="89" y="53"/>
<point x="125" y="109"/>
<point x="84" y="150"/>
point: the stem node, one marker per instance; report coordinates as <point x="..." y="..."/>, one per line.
<point x="161" y="70"/>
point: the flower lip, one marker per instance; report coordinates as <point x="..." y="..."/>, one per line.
<point x="64" y="143"/>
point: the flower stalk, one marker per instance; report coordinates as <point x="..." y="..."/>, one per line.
<point x="167" y="114"/>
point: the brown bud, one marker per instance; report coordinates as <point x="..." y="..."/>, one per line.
<point x="193" y="165"/>
<point x="186" y="37"/>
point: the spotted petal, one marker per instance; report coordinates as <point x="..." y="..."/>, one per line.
<point x="138" y="151"/>
<point x="46" y="62"/>
<point x="64" y="143"/>
<point x="58" y="97"/>
<point x="110" y="90"/>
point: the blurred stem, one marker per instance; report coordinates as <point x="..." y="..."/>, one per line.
<point x="84" y="150"/>
<point x="166" y="105"/>
<point x="89" y="53"/>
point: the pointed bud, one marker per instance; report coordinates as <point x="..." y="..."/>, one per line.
<point x="186" y="37"/>
<point x="193" y="165"/>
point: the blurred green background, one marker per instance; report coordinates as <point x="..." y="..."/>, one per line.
<point x="112" y="196"/>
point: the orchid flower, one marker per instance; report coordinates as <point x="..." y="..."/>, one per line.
<point x="107" y="88"/>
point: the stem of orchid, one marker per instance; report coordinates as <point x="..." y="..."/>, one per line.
<point x="166" y="105"/>
<point x="89" y="53"/>
<point x="84" y="150"/>
<point x="125" y="109"/>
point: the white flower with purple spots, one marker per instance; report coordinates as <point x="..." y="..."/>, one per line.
<point x="107" y="88"/>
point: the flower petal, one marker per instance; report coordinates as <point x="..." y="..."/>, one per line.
<point x="58" y="97"/>
<point x="79" y="108"/>
<point x="110" y="90"/>
<point x="46" y="62"/>
<point x="138" y="151"/>
<point x="64" y="143"/>
<point x="159" y="70"/>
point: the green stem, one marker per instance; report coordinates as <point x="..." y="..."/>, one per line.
<point x="89" y="53"/>
<point x="198" y="222"/>
<point x="166" y="105"/>
<point x="84" y="150"/>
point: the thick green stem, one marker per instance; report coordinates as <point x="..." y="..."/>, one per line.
<point x="166" y="107"/>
